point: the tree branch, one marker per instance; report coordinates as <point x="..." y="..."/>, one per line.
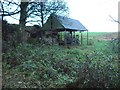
<point x="114" y="19"/>
<point x="32" y="21"/>
<point x="14" y="18"/>
<point x="9" y="13"/>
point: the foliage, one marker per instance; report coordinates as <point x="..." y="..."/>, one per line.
<point x="9" y="35"/>
<point x="36" y="65"/>
<point x="115" y="45"/>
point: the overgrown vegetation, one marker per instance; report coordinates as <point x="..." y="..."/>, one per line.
<point x="9" y="36"/>
<point x="115" y="45"/>
<point x="36" y="65"/>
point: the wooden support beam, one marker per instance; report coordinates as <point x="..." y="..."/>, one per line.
<point x="71" y="33"/>
<point x="81" y="39"/>
<point x="79" y="36"/>
<point x="87" y="37"/>
<point x="65" y="42"/>
<point x="61" y="35"/>
<point x="74" y="34"/>
<point x="71" y="37"/>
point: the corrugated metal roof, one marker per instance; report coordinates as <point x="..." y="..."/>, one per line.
<point x="69" y="23"/>
<point x="56" y="22"/>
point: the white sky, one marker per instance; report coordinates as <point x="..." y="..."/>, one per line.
<point x="93" y="14"/>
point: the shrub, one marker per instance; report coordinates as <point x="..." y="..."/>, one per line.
<point x="115" y="45"/>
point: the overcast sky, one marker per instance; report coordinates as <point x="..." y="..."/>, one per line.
<point x="93" y="14"/>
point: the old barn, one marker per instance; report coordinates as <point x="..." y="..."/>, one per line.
<point x="63" y="30"/>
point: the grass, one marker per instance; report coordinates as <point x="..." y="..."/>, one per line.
<point x="32" y="66"/>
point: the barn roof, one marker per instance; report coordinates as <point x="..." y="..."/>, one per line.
<point x="56" y="22"/>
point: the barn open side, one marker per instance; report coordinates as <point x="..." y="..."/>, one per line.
<point x="58" y="24"/>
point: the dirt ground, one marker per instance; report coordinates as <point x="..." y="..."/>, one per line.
<point x="108" y="36"/>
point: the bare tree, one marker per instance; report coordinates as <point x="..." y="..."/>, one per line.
<point x="42" y="10"/>
<point x="7" y="10"/>
<point x="31" y="11"/>
<point x="114" y="19"/>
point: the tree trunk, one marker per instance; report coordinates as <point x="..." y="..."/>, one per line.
<point x="22" y="21"/>
<point x="2" y="11"/>
<point x="42" y="13"/>
<point x="23" y="13"/>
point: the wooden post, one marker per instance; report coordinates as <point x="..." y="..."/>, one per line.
<point x="71" y="38"/>
<point x="61" y="36"/>
<point x="81" y="39"/>
<point x="71" y="33"/>
<point x="74" y="34"/>
<point x="87" y="37"/>
<point x="79" y="36"/>
<point x="65" y="38"/>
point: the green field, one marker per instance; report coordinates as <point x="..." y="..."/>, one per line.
<point x="31" y="66"/>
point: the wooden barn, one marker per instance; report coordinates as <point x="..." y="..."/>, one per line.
<point x="63" y="29"/>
